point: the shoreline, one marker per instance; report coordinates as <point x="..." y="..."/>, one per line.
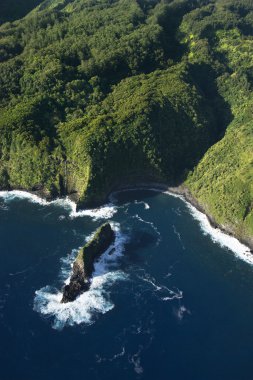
<point x="180" y="191"/>
<point x="184" y="193"/>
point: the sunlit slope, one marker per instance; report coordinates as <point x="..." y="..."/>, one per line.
<point x="222" y="182"/>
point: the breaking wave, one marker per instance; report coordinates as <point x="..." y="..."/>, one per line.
<point x="217" y="235"/>
<point x="103" y="212"/>
<point x="86" y="308"/>
<point x="240" y="250"/>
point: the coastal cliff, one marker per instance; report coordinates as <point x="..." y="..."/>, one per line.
<point x="83" y="266"/>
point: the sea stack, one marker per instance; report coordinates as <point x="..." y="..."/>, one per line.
<point x="84" y="264"/>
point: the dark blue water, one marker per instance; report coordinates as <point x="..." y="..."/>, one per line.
<point x="171" y="304"/>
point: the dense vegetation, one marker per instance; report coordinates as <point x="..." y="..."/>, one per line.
<point x="96" y="93"/>
<point x="223" y="180"/>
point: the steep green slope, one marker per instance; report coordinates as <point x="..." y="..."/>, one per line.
<point x="222" y="182"/>
<point x="99" y="93"/>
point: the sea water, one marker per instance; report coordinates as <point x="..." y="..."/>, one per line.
<point x="171" y="299"/>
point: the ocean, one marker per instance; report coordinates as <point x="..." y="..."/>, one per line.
<point x="174" y="301"/>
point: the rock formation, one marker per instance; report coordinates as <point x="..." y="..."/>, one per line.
<point x="84" y="264"/>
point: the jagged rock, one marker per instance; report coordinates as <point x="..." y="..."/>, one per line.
<point x="84" y="264"/>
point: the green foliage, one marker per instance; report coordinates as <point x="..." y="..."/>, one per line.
<point x="96" y="93"/>
<point x="223" y="179"/>
<point x="218" y="42"/>
<point x="103" y="238"/>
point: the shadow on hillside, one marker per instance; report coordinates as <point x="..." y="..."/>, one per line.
<point x="204" y="77"/>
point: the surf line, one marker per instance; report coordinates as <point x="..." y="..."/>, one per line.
<point x="108" y="210"/>
<point x="104" y="212"/>
<point x="218" y="236"/>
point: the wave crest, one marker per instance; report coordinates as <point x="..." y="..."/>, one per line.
<point x="103" y="212"/>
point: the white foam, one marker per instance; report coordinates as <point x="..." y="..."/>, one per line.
<point x="10" y="195"/>
<point x="104" y="212"/>
<point x="145" y="204"/>
<point x="218" y="236"/>
<point x="224" y="240"/>
<point x="173" y="294"/>
<point x="66" y="266"/>
<point x="91" y="303"/>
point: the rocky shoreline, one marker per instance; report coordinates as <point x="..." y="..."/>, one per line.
<point x="184" y="192"/>
<point x="163" y="187"/>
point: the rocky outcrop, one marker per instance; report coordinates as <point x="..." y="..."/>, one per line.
<point x="84" y="264"/>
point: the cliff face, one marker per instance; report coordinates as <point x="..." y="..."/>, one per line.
<point x="83" y="266"/>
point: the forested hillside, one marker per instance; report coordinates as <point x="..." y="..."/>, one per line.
<point x="96" y="93"/>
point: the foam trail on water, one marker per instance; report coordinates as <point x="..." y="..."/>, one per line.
<point x="178" y="235"/>
<point x="152" y="225"/>
<point x="91" y="303"/>
<point x="103" y="212"/>
<point x="162" y="292"/>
